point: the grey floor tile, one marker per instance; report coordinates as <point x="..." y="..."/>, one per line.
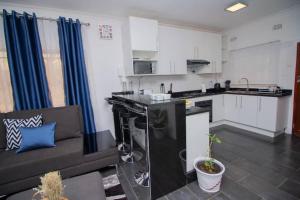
<point x="233" y="172"/>
<point x="194" y="187"/>
<point x="265" y="189"/>
<point x="182" y="194"/>
<point x="291" y="187"/>
<point x="265" y="173"/>
<point x="235" y="191"/>
<point x="162" y="198"/>
<point x="220" y="196"/>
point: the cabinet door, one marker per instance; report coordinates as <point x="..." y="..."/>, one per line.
<point x="231" y="107"/>
<point x="166" y="42"/>
<point x="248" y="107"/>
<point x="267" y="113"/>
<point x="143" y="34"/>
<point x="218" y="107"/>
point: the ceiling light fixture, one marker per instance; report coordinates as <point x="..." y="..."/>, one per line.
<point x="236" y="6"/>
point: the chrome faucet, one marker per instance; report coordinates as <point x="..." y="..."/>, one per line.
<point x="247" y="83"/>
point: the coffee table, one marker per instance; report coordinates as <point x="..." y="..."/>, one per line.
<point x="87" y="187"/>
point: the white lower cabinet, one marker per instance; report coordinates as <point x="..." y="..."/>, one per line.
<point x="247" y="110"/>
<point x="197" y="140"/>
<point x="267" y="113"/>
<point x="218" y="107"/>
<point x="231" y="107"/>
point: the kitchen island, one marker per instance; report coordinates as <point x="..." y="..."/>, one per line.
<point x="165" y="139"/>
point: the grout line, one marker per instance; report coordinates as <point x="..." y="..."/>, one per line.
<point x="280" y="184"/>
<point x="194" y="194"/>
<point x="243" y="178"/>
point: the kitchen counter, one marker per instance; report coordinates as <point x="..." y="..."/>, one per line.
<point x="145" y="100"/>
<point x="210" y="92"/>
<point x="196" y="110"/>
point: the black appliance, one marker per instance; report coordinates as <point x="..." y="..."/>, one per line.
<point x="217" y="86"/>
<point x="207" y="104"/>
<point x="227" y="85"/>
<point x="144" y="66"/>
<point x="197" y="62"/>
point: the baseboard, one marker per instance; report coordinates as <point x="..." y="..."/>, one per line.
<point x="247" y="130"/>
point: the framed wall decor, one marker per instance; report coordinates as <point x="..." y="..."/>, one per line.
<point x="105" y="32"/>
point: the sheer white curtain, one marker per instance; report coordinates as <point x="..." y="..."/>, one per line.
<point x="6" y="98"/>
<point x="50" y="44"/>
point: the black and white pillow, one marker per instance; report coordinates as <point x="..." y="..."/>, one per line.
<point x="13" y="135"/>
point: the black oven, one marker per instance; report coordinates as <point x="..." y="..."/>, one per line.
<point x="206" y="104"/>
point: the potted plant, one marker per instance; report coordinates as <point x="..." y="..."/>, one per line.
<point x="209" y="170"/>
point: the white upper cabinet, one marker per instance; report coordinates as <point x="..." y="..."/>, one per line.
<point x="172" y="58"/>
<point x="210" y="48"/>
<point x="143" y="34"/>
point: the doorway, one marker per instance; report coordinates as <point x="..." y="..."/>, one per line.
<point x="296" y="114"/>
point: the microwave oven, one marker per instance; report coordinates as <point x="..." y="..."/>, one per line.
<point x="144" y="66"/>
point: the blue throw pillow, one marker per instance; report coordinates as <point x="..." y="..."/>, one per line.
<point x="39" y="137"/>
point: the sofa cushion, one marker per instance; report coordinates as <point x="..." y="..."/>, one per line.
<point x="37" y="138"/>
<point x="2" y="132"/>
<point x="68" y="120"/>
<point x="38" y="162"/>
<point x="13" y="135"/>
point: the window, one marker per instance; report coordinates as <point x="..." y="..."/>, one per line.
<point x="6" y="97"/>
<point x="50" y="44"/>
<point x="55" y="77"/>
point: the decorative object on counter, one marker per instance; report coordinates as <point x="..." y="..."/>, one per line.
<point x="171" y="87"/>
<point x="162" y="88"/>
<point x="105" y="32"/>
<point x="217" y="86"/>
<point x="51" y="187"/>
<point x="209" y="170"/>
<point x="203" y="88"/>
<point x="160" y="97"/>
<point x="227" y="85"/>
<point x="188" y="104"/>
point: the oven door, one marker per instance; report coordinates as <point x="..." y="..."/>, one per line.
<point x="205" y="104"/>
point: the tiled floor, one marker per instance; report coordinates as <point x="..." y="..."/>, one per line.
<point x="255" y="169"/>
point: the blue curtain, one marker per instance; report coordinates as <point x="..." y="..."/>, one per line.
<point x="25" y="60"/>
<point x="75" y="77"/>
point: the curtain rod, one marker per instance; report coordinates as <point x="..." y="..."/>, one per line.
<point x="50" y="19"/>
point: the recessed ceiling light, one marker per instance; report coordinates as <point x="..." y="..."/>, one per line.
<point x="236" y="6"/>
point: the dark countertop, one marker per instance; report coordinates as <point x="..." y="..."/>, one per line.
<point x="145" y="100"/>
<point x="238" y="91"/>
<point x="196" y="110"/>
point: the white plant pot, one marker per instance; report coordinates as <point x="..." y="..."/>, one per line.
<point x="209" y="182"/>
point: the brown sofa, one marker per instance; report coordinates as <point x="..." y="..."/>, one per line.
<point x="22" y="171"/>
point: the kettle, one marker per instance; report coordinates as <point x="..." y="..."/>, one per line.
<point x="217" y="86"/>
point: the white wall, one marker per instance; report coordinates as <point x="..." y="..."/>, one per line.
<point x="263" y="55"/>
<point x="104" y="57"/>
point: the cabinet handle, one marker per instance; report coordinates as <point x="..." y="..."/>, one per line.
<point x="235" y="101"/>
<point x="174" y="68"/>
<point x="241" y="105"/>
<point x="259" y="104"/>
<point x="223" y="100"/>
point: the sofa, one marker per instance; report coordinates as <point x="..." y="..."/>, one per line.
<point x="23" y="171"/>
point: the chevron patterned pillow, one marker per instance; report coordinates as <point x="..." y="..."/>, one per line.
<point x="13" y="136"/>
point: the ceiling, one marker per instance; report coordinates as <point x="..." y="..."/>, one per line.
<point x="207" y="14"/>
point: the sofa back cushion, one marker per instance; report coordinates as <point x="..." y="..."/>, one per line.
<point x="68" y="120"/>
<point x="2" y="132"/>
